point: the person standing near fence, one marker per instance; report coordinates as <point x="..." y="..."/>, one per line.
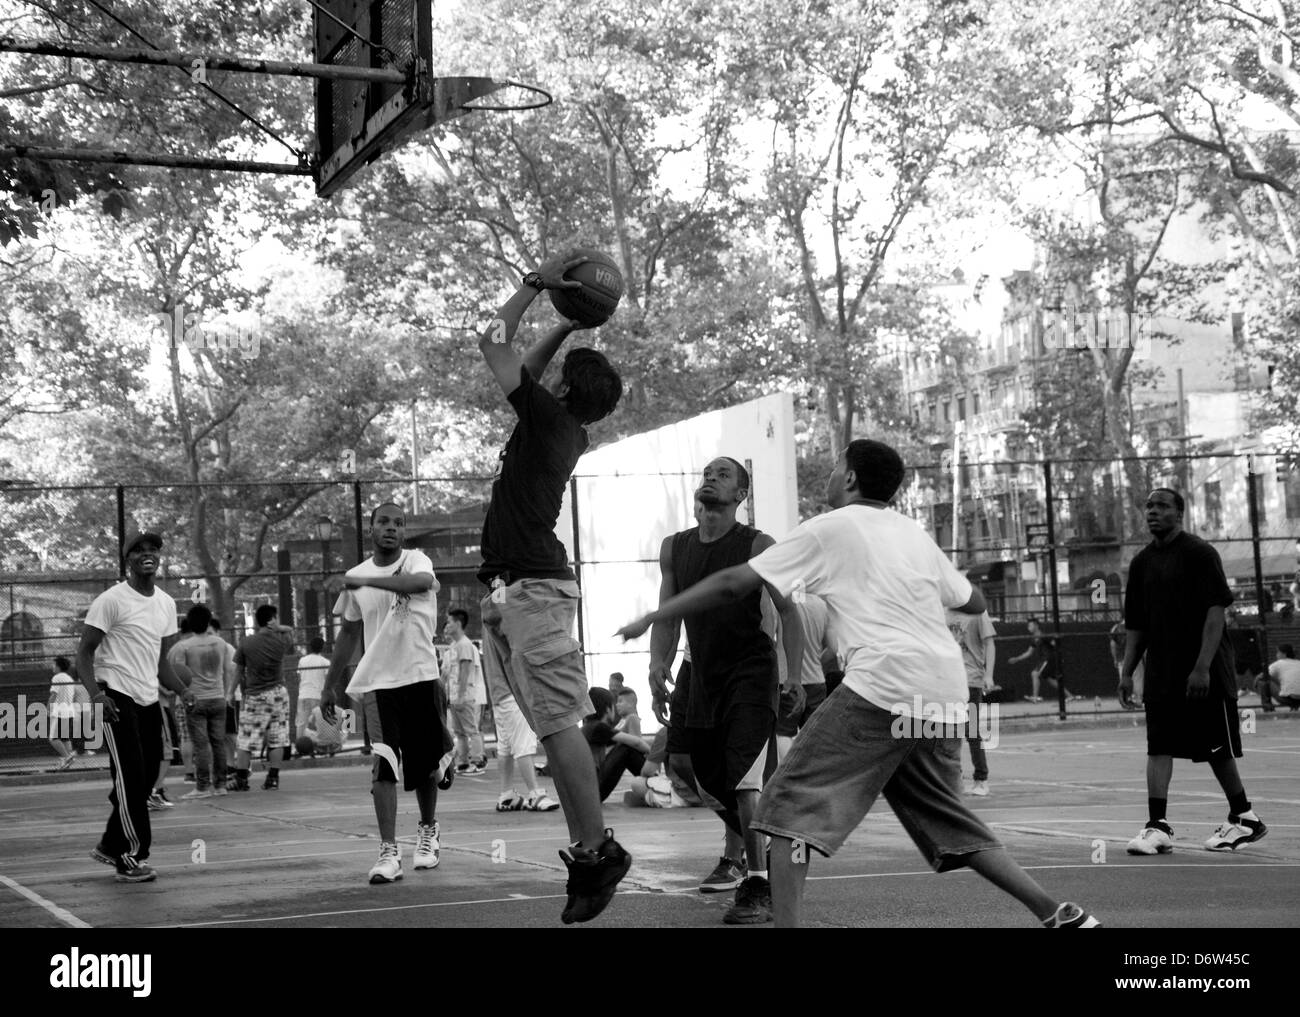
<point x="63" y="709"/>
<point x="1174" y="612"/>
<point x="122" y="660"/>
<point x="212" y="674"/>
<point x="312" y="669"/>
<point x="975" y="635"/>
<point x="463" y="673"/>
<point x="264" y="718"/>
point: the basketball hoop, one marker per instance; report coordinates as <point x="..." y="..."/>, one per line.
<point x="542" y="98"/>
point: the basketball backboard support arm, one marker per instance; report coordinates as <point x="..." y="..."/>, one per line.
<point x="365" y="106"/>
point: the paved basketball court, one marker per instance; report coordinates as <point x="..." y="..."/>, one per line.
<point x="1065" y="801"/>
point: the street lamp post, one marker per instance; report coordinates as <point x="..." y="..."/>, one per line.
<point x="325" y="533"/>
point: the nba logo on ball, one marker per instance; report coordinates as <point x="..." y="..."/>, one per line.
<point x="597" y="298"/>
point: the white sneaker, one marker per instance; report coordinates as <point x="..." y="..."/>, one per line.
<point x="1238" y="830"/>
<point x="540" y="801"/>
<point x="427" y="848"/>
<point x="1152" y="840"/>
<point x="980" y="788"/>
<point x="389" y="867"/>
<point x="188" y="796"/>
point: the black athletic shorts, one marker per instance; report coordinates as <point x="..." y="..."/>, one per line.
<point x="737" y="755"/>
<point x="411" y="720"/>
<point x="678" y="743"/>
<point x="1202" y="730"/>
<point x="788" y="723"/>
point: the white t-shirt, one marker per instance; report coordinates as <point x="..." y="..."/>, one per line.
<point x="463" y="649"/>
<point x="399" y="627"/>
<point x="812" y="612"/>
<point x="885" y="584"/>
<point x="134" y="627"/>
<point x="312" y="669"/>
<point x="63" y="696"/>
<point x="1287" y="673"/>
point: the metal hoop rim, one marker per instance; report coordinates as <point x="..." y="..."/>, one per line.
<point x="546" y="100"/>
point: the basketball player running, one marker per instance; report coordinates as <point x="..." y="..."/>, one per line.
<point x="121" y="661"/>
<point x="1174" y="614"/>
<point x="392" y="598"/>
<point x="734" y="684"/>
<point x="528" y="616"/>
<point x="885" y="584"/>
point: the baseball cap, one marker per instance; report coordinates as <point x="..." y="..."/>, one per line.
<point x="134" y="537"/>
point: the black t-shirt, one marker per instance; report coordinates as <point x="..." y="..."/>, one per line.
<point x="519" y="531"/>
<point x="600" y="737"/>
<point x="1171" y="588"/>
<point x="732" y="659"/>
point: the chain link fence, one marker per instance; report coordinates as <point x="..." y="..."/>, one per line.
<point x="1049" y="541"/>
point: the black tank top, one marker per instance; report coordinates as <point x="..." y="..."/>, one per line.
<point x="732" y="659"/>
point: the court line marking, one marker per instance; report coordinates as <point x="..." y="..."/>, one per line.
<point x="62" y="914"/>
<point x="692" y="892"/>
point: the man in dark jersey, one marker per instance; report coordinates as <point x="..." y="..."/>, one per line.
<point x="528" y="617"/>
<point x="732" y="696"/>
<point x="1174" y="613"/>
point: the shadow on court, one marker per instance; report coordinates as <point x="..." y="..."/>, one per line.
<point x="1065" y="801"/>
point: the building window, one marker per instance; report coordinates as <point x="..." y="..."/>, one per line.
<point x="934" y="414"/>
<point x="975" y="402"/>
<point x="961" y="407"/>
<point x="1214" y="506"/>
<point x="1291" y="487"/>
<point x="947" y="411"/>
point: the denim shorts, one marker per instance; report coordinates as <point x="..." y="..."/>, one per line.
<point x="528" y="641"/>
<point x="844" y="758"/>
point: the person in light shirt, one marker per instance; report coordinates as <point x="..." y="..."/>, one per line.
<point x="886" y="585"/>
<point x="122" y="661"/>
<point x="392" y="599"/>
<point x="1283" y="679"/>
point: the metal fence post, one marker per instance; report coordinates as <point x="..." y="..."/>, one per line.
<point x="121" y="530"/>
<point x="1056" y="593"/>
<point x="1254" y="535"/>
<point x="356" y="520"/>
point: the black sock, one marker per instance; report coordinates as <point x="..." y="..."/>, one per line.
<point x="1238" y="803"/>
<point x="273" y="771"/>
<point x="1156" y="811"/>
<point x="242" y="775"/>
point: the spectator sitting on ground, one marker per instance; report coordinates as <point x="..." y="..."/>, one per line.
<point x="625" y="706"/>
<point x="1282" y="682"/>
<point x="612" y="751"/>
<point x="320" y="737"/>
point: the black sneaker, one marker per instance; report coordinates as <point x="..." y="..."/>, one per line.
<point x="727" y="875"/>
<point x="271" y="783"/>
<point x="137" y="873"/>
<point x="239" y="785"/>
<point x="593" y="876"/>
<point x="753" y="904"/>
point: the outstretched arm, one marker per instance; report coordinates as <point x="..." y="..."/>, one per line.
<point x="723" y="587"/>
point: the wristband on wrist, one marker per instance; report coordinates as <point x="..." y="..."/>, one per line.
<point x="534" y="280"/>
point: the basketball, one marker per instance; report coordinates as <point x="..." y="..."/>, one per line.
<point x="602" y="288"/>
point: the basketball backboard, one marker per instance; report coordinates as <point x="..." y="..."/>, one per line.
<point x="357" y="121"/>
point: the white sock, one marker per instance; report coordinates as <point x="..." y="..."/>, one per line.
<point x="759" y="873"/>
